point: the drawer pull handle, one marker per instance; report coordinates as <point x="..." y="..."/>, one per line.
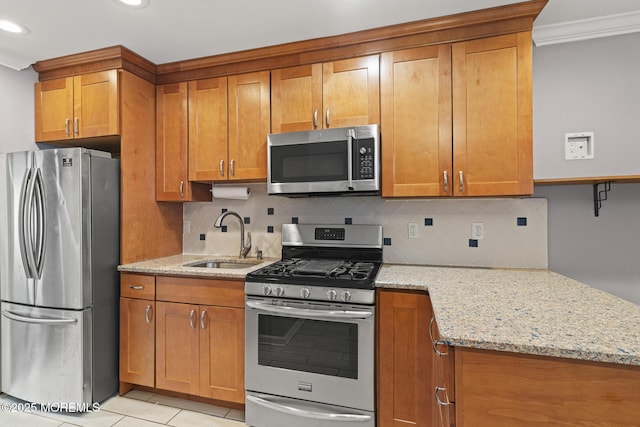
<point x="461" y="182"/>
<point x="221" y="167"/>
<point x="76" y="126"/>
<point x="136" y="287"/>
<point x="446" y="181"/>
<point x="437" y="391"/>
<point x="315" y="118"/>
<point x="435" y="343"/>
<point x="66" y="127"/>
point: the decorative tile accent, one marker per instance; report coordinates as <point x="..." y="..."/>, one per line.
<point x="348" y="220"/>
<point x="224" y="210"/>
<point x="247" y="220"/>
<point x="269" y="211"/>
<point x="387" y="241"/>
<point x="473" y="243"/>
<point x="428" y="222"/>
<point x="224" y="228"/>
<point x="203" y="236"/>
<point x="270" y="229"/>
<point x="522" y="221"/>
<point x="294" y="220"/>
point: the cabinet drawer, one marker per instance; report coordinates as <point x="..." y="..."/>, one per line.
<point x="137" y="286"/>
<point x="227" y="293"/>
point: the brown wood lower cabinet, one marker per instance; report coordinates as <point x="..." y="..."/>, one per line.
<point x="424" y="382"/>
<point x="405" y="390"/>
<point x="198" y="340"/>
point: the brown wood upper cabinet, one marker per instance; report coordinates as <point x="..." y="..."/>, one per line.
<point x="320" y="96"/>
<point x="228" y="128"/>
<point x="82" y="106"/>
<point x="456" y="119"/>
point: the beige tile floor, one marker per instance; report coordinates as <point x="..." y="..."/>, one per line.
<point x="135" y="409"/>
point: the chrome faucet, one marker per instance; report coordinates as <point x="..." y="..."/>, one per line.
<point x="244" y="250"/>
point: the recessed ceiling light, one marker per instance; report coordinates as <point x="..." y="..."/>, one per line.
<point x="138" y="4"/>
<point x="12" y="27"/>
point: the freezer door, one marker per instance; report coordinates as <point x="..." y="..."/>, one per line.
<point x="46" y="354"/>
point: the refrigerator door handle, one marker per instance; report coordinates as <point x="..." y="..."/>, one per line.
<point x="25" y="319"/>
<point x="23" y="218"/>
<point x="41" y="236"/>
<point x="30" y="217"/>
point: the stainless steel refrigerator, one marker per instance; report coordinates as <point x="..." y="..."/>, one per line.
<point x="59" y="251"/>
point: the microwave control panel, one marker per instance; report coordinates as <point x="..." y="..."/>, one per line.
<point x="364" y="158"/>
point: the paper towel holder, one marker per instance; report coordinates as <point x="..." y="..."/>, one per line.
<point x="234" y="192"/>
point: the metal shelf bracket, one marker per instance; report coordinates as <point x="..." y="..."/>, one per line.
<point x="600" y="195"/>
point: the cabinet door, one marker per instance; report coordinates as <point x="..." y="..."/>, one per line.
<point x="405" y="390"/>
<point x="249" y="125"/>
<point x="222" y="353"/>
<point x="296" y="98"/>
<point x="54" y="109"/>
<point x="443" y="384"/>
<point x="416" y="122"/>
<point x="208" y="129"/>
<point x="177" y="339"/>
<point x="137" y="341"/>
<point x="492" y="128"/>
<point x="351" y="92"/>
<point x="96" y="104"/>
<point x="171" y="143"/>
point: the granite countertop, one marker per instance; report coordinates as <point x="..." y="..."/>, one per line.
<point x="174" y="266"/>
<point x="524" y="311"/>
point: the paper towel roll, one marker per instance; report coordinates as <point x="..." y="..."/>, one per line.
<point x="238" y="193"/>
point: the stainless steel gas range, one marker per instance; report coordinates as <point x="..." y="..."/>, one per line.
<point x="310" y="323"/>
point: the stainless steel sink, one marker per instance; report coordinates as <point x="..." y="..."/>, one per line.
<point x="219" y="263"/>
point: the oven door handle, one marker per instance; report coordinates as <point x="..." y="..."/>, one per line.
<point x="327" y="416"/>
<point x="306" y="312"/>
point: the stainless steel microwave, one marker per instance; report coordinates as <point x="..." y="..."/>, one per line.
<point x="340" y="161"/>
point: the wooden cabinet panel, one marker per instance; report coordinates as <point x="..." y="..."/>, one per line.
<point x="96" y="104"/>
<point x="351" y="92"/>
<point x="228" y="293"/>
<point x="83" y="106"/>
<point x="171" y="142"/>
<point x="177" y="341"/>
<point x="492" y="123"/>
<point x="443" y="385"/>
<point x="249" y="125"/>
<point x="222" y="353"/>
<point x="318" y="96"/>
<point x="296" y="98"/>
<point x="137" y="341"/>
<point x="416" y="122"/>
<point x="405" y="390"/>
<point x="54" y="109"/>
<point x="208" y="129"/>
<point x="506" y="389"/>
<point x="137" y="286"/>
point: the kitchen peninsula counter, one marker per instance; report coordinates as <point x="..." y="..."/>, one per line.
<point x="524" y="311"/>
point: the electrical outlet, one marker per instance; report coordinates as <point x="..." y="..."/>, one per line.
<point x="413" y="230"/>
<point x="477" y="230"/>
<point x="578" y="146"/>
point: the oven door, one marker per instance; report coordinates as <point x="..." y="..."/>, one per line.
<point x="311" y="351"/>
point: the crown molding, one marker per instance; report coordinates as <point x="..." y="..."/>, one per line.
<point x="584" y="29"/>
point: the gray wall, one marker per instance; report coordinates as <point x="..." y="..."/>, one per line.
<point x="591" y="85"/>
<point x="16" y="110"/>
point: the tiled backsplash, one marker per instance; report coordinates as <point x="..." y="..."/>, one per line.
<point x="515" y="230"/>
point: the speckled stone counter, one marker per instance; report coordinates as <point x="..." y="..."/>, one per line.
<point x="524" y="311"/>
<point x="174" y="266"/>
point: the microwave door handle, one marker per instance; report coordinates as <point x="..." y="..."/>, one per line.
<point x="325" y="416"/>
<point x="307" y="312"/>
<point x="351" y="135"/>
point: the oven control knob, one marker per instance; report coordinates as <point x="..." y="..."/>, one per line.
<point x="266" y="291"/>
<point x="305" y="292"/>
<point x="345" y="296"/>
<point x="363" y="150"/>
<point x="279" y="291"/>
<point x="331" y="295"/>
